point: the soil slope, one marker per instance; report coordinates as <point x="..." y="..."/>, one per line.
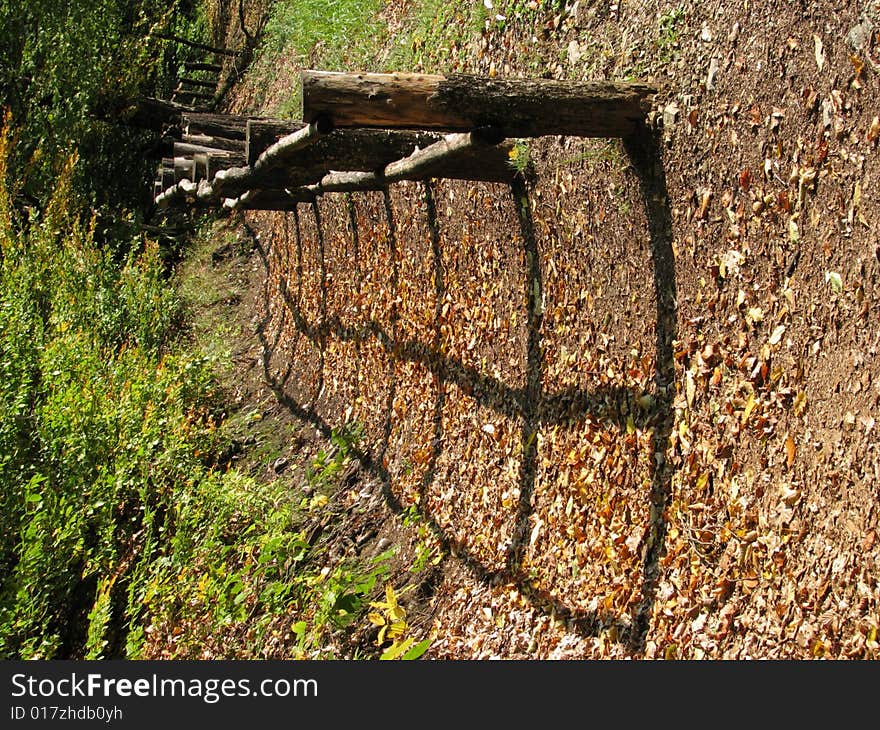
<point x="633" y="397"/>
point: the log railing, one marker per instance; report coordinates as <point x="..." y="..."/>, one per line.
<point x="364" y="131"/>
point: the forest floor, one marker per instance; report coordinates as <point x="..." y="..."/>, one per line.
<point x="626" y="409"/>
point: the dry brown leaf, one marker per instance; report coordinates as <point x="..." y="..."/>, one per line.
<point x="790" y="451"/>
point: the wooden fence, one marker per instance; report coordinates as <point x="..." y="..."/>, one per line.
<point x="365" y="131"/>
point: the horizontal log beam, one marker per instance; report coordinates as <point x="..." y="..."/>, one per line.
<point x="198" y="82"/>
<point x="183" y="149"/>
<point x="348" y="182"/>
<point x="214" y="125"/>
<point x="214" y="142"/>
<point x="460" y="102"/>
<point x="473" y="156"/>
<point x="200" y="66"/>
<point x="195" y="44"/>
<point x="189" y="93"/>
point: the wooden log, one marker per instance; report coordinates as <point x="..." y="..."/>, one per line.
<point x="232" y="182"/>
<point x="457" y="157"/>
<point x="205" y="193"/>
<point x="278" y="153"/>
<point x="184" y="168"/>
<point x="183" y="191"/>
<point x="168" y="196"/>
<point x="217" y="161"/>
<point x="198" y="82"/>
<point x="341" y="149"/>
<point x="214" y="142"/>
<point x="444" y="154"/>
<point x="152" y="113"/>
<point x="348" y="182"/>
<point x="460" y="102"/>
<point x="214" y="125"/>
<point x="195" y="44"/>
<point x="167" y="177"/>
<point x="280" y="200"/>
<point x="188" y="148"/>
<point x="201" y="66"/>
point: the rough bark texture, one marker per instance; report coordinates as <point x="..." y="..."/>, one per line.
<point x="460" y="102"/>
<point x="214" y="125"/>
<point x="217" y="161"/>
<point x="214" y="142"/>
<point x="185" y="149"/>
<point x="287" y="147"/>
<point x="270" y="200"/>
<point x="349" y="149"/>
<point x="458" y="156"/>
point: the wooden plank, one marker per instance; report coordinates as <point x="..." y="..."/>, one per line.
<point x="460" y="103"/>
<point x="188" y="148"/>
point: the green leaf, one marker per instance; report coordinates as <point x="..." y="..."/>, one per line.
<point x="833" y="278"/>
<point x="417" y="650"/>
<point x="396" y="649"/>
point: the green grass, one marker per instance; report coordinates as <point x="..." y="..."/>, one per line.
<point x="343" y="34"/>
<point x="350" y="35"/>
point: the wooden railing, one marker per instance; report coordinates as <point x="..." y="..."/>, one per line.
<point x="363" y="131"/>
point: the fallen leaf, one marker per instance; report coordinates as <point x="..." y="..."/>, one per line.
<point x="776" y="335"/>
<point x="873" y="130"/>
<point x="833" y="278"/>
<point x="750" y="406"/>
<point x="819" y="51"/>
<point x="790" y="453"/>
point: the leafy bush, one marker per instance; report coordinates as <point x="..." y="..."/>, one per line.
<point x="101" y="422"/>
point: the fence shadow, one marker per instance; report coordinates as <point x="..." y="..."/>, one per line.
<point x="528" y="405"/>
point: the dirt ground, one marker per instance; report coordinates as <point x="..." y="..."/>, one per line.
<point x="633" y="396"/>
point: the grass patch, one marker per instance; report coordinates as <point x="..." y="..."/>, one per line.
<point x="335" y="35"/>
